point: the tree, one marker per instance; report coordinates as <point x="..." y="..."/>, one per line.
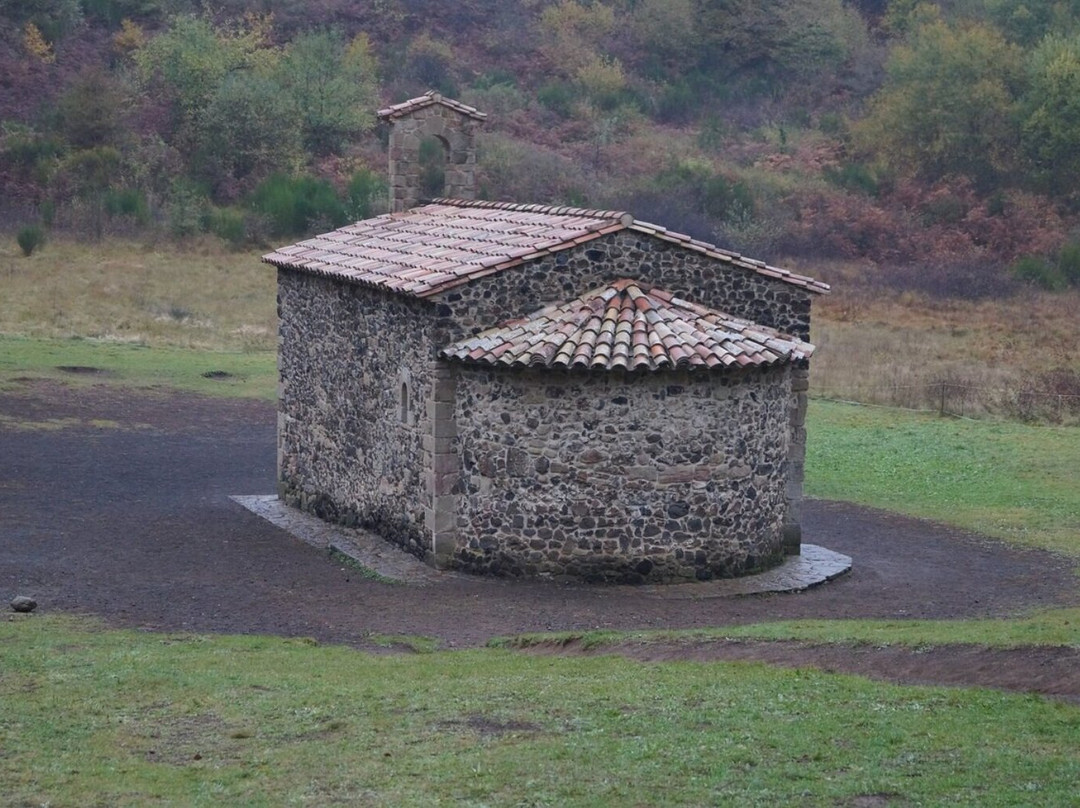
<point x="777" y="37"/>
<point x="1051" y="119"/>
<point x="89" y="112"/>
<point x="189" y="61"/>
<point x="88" y="175"/>
<point x="333" y="88"/>
<point x="53" y="18"/>
<point x="948" y="105"/>
<point x="231" y="119"/>
<point x="248" y="131"/>
<point x="573" y="34"/>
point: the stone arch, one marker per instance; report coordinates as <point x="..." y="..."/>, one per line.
<point x="434" y="158"/>
<point x="454" y="126"/>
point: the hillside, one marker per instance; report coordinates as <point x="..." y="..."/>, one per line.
<point x="892" y="133"/>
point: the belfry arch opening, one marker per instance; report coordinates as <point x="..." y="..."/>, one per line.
<point x="434" y="157"/>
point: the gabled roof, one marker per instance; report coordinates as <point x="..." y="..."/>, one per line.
<point x="426" y="100"/>
<point x="629" y="326"/>
<point x="449" y="242"/>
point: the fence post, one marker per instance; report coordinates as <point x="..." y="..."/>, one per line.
<point x="941" y="410"/>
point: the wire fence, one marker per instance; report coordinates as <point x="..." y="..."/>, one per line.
<point x="1030" y="402"/>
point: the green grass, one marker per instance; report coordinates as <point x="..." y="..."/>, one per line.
<point x="250" y="374"/>
<point x="157" y="315"/>
<point x="1006" y="480"/>
<point x="1053" y="627"/>
<point x="97" y="717"/>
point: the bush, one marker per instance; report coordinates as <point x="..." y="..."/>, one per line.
<point x="1039" y="272"/>
<point x="943" y="208"/>
<point x="432" y="168"/>
<point x="365" y="196"/>
<point x="30" y="238"/>
<point x="678" y="103"/>
<point x="297" y="205"/>
<point x="127" y="202"/>
<point x="964" y="279"/>
<point x="1068" y="263"/>
<point x="229" y="225"/>
<point x="559" y="97"/>
<point x="713" y="133"/>
<point x="853" y="177"/>
<point x="187" y="209"/>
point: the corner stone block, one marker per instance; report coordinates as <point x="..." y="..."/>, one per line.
<point x="440" y="410"/>
<point x="444" y="543"/>
<point x="792" y="538"/>
<point x="440" y="520"/>
<point x="445" y="463"/>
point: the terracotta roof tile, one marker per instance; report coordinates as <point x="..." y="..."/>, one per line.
<point x="426" y="100"/>
<point x="629" y="325"/>
<point x="456" y="241"/>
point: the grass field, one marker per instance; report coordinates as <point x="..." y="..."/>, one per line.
<point x="1054" y="627"/>
<point x="1007" y="480"/>
<point x="93" y="716"/>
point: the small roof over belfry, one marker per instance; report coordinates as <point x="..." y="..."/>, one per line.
<point x="434" y="247"/>
<point x="430" y="98"/>
<point x="629" y="326"/>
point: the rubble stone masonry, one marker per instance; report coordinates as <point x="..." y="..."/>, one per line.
<point x="620" y="477"/>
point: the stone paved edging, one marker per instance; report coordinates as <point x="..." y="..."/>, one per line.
<point x="366" y="548"/>
<point x="816" y="565"/>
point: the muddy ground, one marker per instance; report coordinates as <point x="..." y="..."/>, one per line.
<point x="115" y="503"/>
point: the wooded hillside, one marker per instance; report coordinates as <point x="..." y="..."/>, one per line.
<point x="944" y="134"/>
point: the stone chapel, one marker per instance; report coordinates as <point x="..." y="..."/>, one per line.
<point x="535" y="390"/>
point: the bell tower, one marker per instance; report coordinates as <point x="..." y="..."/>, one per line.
<point x="453" y="125"/>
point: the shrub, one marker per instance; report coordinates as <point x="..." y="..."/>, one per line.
<point x="365" y="194"/>
<point x="832" y="123"/>
<point x="678" y="103"/>
<point x="1039" y="272"/>
<point x="127" y="202"/>
<point x="1068" y="263"/>
<point x="559" y="97"/>
<point x="964" y="279"/>
<point x="229" y="225"/>
<point x="187" y="209"/>
<point x="30" y="238"/>
<point x="943" y="208"/>
<point x="853" y="177"/>
<point x="296" y="205"/>
<point x="432" y="168"/>
<point x="713" y="133"/>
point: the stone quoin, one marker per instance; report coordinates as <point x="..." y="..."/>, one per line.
<point x="531" y="390"/>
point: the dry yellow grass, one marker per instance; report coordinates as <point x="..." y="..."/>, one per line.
<point x="195" y="296"/>
<point x="991" y="356"/>
<point x="873" y="346"/>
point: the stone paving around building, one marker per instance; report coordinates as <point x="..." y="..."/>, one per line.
<point x="816" y="565"/>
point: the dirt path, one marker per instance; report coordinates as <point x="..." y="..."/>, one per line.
<point x="132" y="521"/>
<point x="1049" y="671"/>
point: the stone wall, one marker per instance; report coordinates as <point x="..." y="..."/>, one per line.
<point x="349" y="448"/>
<point x="741" y="292"/>
<point x="618" y="477"/>
<point x="455" y="130"/>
